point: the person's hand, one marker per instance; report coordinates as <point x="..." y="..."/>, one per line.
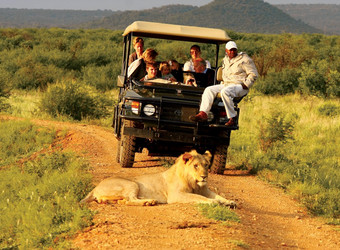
<point x="191" y="82"/>
<point x="173" y="79"/>
<point x="244" y="86"/>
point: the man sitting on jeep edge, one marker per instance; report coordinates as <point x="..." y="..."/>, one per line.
<point x="239" y="74"/>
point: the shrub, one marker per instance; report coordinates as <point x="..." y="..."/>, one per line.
<point x="280" y="83"/>
<point x="318" y="79"/>
<point x="99" y="77"/>
<point x="329" y="109"/>
<point x="277" y="128"/>
<point x="75" y="100"/>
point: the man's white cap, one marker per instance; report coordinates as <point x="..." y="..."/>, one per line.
<point x="230" y="45"/>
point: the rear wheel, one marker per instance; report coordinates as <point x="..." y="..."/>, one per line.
<point x="127" y="147"/>
<point x="118" y="151"/>
<point x="219" y="159"/>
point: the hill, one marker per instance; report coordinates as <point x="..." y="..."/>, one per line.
<point x="325" y="17"/>
<point x="39" y="18"/>
<point x="251" y="16"/>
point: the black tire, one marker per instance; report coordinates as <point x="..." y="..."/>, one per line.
<point x="118" y="151"/>
<point x="219" y="159"/>
<point x="127" y="147"/>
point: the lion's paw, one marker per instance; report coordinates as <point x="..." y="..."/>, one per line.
<point x="150" y="203"/>
<point x="228" y="203"/>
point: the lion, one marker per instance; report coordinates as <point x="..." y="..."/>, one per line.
<point x="183" y="182"/>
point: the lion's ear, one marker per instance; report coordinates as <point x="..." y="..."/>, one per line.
<point x="207" y="155"/>
<point x="186" y="157"/>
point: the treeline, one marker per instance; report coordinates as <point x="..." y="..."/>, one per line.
<point x="34" y="58"/>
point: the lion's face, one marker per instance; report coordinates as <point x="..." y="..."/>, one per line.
<point x="196" y="168"/>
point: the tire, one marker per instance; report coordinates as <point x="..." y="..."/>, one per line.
<point x="127" y="148"/>
<point x="219" y="159"/>
<point x="118" y="151"/>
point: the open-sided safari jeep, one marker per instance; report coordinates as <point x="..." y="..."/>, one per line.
<point x="155" y="115"/>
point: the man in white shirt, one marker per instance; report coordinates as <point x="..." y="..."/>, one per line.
<point x="239" y="74"/>
<point x="195" y="52"/>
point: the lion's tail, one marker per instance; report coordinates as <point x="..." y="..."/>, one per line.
<point x="88" y="198"/>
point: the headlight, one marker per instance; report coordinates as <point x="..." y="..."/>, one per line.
<point x="149" y="109"/>
<point x="135" y="107"/>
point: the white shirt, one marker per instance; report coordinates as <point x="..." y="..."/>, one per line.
<point x="189" y="65"/>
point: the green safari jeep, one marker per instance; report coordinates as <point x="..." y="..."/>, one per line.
<point x="155" y="114"/>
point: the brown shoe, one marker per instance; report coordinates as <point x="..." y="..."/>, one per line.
<point x="231" y="122"/>
<point x="200" y="117"/>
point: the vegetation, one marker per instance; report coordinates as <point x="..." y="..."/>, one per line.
<point x="38" y="194"/>
<point x="75" y="100"/>
<point x="293" y="143"/>
<point x="218" y="212"/>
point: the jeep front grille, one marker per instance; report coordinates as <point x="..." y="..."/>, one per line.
<point x="176" y="112"/>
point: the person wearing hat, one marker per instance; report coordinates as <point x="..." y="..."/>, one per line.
<point x="239" y="74"/>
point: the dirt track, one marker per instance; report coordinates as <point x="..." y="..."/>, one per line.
<point x="269" y="218"/>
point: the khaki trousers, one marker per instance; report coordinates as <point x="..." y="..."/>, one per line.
<point x="228" y="92"/>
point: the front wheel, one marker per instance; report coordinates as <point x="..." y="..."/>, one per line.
<point x="219" y="159"/>
<point x="127" y="147"/>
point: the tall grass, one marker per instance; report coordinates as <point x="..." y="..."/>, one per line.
<point x="307" y="165"/>
<point x="26" y="104"/>
<point x="20" y="139"/>
<point x="39" y="198"/>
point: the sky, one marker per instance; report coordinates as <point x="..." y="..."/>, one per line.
<point x="125" y="5"/>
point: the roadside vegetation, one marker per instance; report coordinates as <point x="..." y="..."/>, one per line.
<point x="289" y="123"/>
<point x="39" y="193"/>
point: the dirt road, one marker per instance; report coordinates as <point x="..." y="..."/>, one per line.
<point x="270" y="219"/>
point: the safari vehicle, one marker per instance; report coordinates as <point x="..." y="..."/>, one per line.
<point x="155" y="114"/>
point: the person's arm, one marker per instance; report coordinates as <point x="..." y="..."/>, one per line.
<point x="251" y="71"/>
<point x="133" y="68"/>
<point x="187" y="66"/>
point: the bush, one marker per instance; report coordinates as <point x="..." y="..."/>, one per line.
<point x="280" y="83"/>
<point x="329" y="109"/>
<point x="318" y="79"/>
<point x="99" y="77"/>
<point x="74" y="100"/>
<point x="277" y="128"/>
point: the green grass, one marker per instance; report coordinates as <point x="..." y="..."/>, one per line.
<point x="25" y="104"/>
<point x="218" y="212"/>
<point x="20" y="139"/>
<point x="306" y="165"/>
<point x="39" y="198"/>
<point x="239" y="243"/>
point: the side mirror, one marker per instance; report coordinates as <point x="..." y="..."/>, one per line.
<point x="120" y="81"/>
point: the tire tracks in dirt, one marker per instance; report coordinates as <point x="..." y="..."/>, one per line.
<point x="270" y="219"/>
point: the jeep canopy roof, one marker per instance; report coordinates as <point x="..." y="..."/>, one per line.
<point x="177" y="32"/>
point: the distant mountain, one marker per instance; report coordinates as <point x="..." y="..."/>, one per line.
<point x="325" y="17"/>
<point x="253" y="16"/>
<point x="250" y="16"/>
<point x="39" y="18"/>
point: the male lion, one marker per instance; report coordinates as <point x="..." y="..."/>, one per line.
<point x="184" y="182"/>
